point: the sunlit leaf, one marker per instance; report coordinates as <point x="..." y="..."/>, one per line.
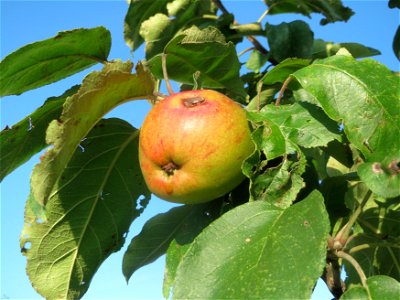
<point x="138" y="12"/>
<point x="87" y="217"/>
<point x="99" y="93"/>
<point x="370" y="113"/>
<point x="27" y="137"/>
<point x="245" y="261"/>
<point x="303" y="123"/>
<point x="282" y="71"/>
<point x="50" y="60"/>
<point x="380" y="287"/>
<point x="159" y="21"/>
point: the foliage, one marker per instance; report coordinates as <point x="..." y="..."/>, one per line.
<point x="323" y="185"/>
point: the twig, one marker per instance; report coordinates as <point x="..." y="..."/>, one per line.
<point x="332" y="278"/>
<point x="357" y="267"/>
<point x="251" y="39"/>
<point x="343" y="234"/>
<point x="165" y="73"/>
<point x="284" y="86"/>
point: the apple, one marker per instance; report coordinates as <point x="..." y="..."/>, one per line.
<point x="192" y="145"/>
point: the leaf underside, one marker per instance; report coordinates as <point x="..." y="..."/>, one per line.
<point x="99" y="194"/>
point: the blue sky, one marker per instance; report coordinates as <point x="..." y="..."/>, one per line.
<point x="373" y="25"/>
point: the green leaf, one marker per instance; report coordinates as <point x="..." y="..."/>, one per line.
<point x="27" y="137"/>
<point x="160" y="29"/>
<point x="332" y="10"/>
<point x="156" y="31"/>
<point x="396" y="43"/>
<point x="138" y="12"/>
<point x="181" y="223"/>
<point x="377" y="247"/>
<point x="236" y="256"/>
<point x="100" y="92"/>
<point x="382" y="180"/>
<point x="370" y="113"/>
<point x="256" y="61"/>
<point x="286" y="40"/>
<point x="88" y="214"/>
<point x="323" y="49"/>
<point x="276" y="179"/>
<point x="50" y="60"/>
<point x="205" y="51"/>
<point x="200" y="217"/>
<point x="379" y="288"/>
<point x="159" y="21"/>
<point x="282" y="71"/>
<point x="394" y="3"/>
<point x="303" y="123"/>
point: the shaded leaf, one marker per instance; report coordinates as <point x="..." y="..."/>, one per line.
<point x="181" y="223"/>
<point x="370" y="114"/>
<point x="379" y="288"/>
<point x="323" y="49"/>
<point x="377" y="247"/>
<point x="396" y="43"/>
<point x="256" y="61"/>
<point x="394" y="3"/>
<point x="204" y="51"/>
<point x="50" y="60"/>
<point x="27" y="137"/>
<point x="286" y="40"/>
<point x="99" y="93"/>
<point x="255" y="236"/>
<point x="87" y="217"/>
<point x="332" y="10"/>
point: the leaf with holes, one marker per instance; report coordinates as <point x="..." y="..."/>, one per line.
<point x="255" y="237"/>
<point x="27" y="137"/>
<point x="47" y="61"/>
<point x="100" y="92"/>
<point x="94" y="202"/>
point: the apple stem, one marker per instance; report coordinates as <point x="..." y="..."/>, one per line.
<point x="165" y="73"/>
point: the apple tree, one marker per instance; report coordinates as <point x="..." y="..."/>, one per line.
<point x="319" y="191"/>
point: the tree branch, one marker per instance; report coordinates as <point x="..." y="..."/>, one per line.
<point x="257" y="45"/>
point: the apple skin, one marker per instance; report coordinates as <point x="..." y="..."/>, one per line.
<point x="192" y="145"/>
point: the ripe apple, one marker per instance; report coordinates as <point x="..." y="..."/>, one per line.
<point x="192" y="145"/>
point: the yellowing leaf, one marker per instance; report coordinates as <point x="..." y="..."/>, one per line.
<point x="99" y="93"/>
